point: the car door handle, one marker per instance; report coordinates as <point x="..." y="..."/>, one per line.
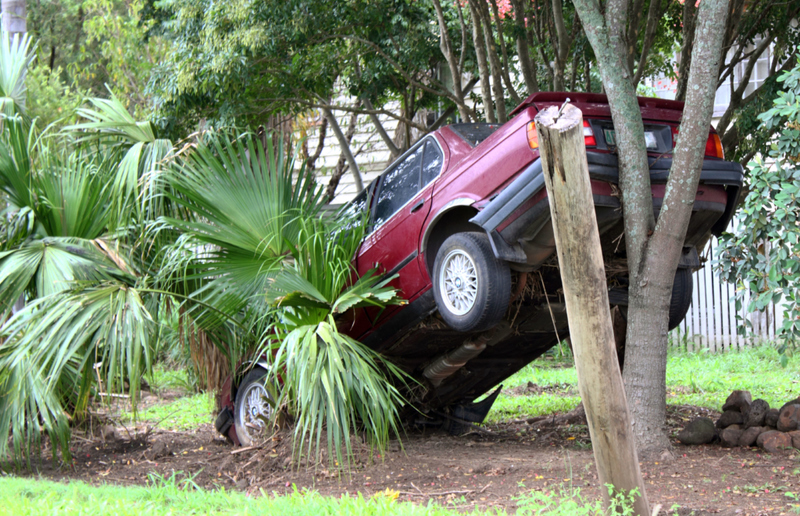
<point x="417" y="206"/>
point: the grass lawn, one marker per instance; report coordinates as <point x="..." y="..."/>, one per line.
<point x="170" y="496"/>
<point x="546" y="386"/>
<point x="699" y="378"/>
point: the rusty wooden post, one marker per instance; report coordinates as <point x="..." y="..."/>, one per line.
<point x="580" y="259"/>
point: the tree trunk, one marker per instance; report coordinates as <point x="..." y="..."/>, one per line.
<point x="527" y="64"/>
<point x="653" y="249"/>
<point x="689" y="16"/>
<point x="340" y="169"/>
<point x="447" y="51"/>
<point x="651" y="286"/>
<point x="494" y="63"/>
<point x="480" y="55"/>
<point x="14" y="16"/>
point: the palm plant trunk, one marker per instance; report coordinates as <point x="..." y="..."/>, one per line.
<point x="211" y="364"/>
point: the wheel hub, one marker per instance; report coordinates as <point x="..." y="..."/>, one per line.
<point x="256" y="410"/>
<point x="458" y="282"/>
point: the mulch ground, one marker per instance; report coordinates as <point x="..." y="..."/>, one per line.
<point x="485" y="468"/>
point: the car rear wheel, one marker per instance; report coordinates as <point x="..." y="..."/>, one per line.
<point x="471" y="286"/>
<point x="681" y="297"/>
<point x="253" y="409"/>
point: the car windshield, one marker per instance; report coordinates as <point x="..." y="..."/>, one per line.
<point x="474" y="134"/>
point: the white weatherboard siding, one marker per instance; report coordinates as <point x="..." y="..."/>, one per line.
<point x="712" y="322"/>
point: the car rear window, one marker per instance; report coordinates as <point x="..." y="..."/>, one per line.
<point x="474" y="134"/>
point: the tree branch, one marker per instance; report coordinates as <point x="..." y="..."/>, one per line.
<point x="344" y="144"/>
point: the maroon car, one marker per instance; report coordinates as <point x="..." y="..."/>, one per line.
<point x="463" y="219"/>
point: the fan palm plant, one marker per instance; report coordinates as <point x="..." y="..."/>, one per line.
<point x="267" y="258"/>
<point x="66" y="250"/>
<point x="331" y="381"/>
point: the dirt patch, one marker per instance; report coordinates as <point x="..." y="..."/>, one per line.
<point x="484" y="468"/>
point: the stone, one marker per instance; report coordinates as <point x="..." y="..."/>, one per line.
<point x="771" y="419"/>
<point x="730" y="436"/>
<point x="795" y="435"/>
<point x="730" y="417"/>
<point x="738" y="400"/>
<point x="795" y="401"/>
<point x="756" y="414"/>
<point x="750" y="435"/>
<point x="699" y="431"/>
<point x="774" y="441"/>
<point x="789" y="418"/>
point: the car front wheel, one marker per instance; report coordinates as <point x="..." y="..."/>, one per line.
<point x="471" y="286"/>
<point x="253" y="409"/>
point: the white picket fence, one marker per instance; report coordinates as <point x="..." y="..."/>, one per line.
<point x="711" y="322"/>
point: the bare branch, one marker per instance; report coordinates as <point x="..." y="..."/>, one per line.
<point x="344" y="143"/>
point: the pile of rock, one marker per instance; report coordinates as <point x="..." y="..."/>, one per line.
<point x="745" y="422"/>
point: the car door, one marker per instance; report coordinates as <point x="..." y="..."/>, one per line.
<point x="400" y="206"/>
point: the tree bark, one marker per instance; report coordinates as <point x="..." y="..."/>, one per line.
<point x="653" y="249"/>
<point x="527" y="64"/>
<point x="381" y="130"/>
<point x="583" y="277"/>
<point x="340" y="168"/>
<point x="504" y="53"/>
<point x="654" y="14"/>
<point x="651" y="284"/>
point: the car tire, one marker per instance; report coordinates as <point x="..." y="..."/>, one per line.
<point x="682" y="288"/>
<point x="470" y="285"/>
<point x="254" y="407"/>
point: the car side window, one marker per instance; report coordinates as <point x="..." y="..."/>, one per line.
<point x="431" y="162"/>
<point x="398" y="186"/>
<point x="354" y="213"/>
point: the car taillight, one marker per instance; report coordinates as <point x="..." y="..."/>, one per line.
<point x="533" y="138"/>
<point x="588" y="135"/>
<point x="713" y="144"/>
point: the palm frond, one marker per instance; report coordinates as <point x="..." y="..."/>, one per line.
<point x="16" y="55"/>
<point x="16" y="226"/>
<point x="15" y="163"/>
<point x="26" y="409"/>
<point x="141" y="157"/>
<point x="334" y="383"/>
<point x="246" y="202"/>
<point x="107" y="326"/>
<point x="110" y="118"/>
<point x="74" y="199"/>
<point x="51" y="265"/>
